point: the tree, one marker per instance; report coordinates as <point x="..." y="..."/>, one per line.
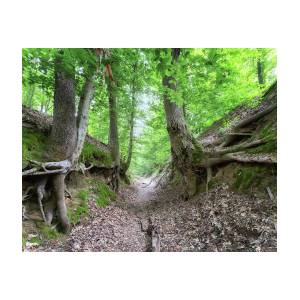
<point x="113" y="128"/>
<point x="183" y="145"/>
<point x="67" y="134"/>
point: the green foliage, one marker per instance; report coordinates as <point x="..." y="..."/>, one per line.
<point x="80" y="209"/>
<point x="48" y="233"/>
<point x="35" y="239"/>
<point x="83" y="195"/>
<point x="91" y="154"/>
<point x="209" y="83"/>
<point x="269" y="134"/>
<point x="104" y="195"/>
<point x="34" y="145"/>
<point x="247" y="177"/>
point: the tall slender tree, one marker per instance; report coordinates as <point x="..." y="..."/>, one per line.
<point x="113" y="140"/>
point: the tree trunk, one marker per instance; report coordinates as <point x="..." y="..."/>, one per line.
<point x="31" y="90"/>
<point x="131" y="122"/>
<point x="82" y="115"/>
<point x="183" y="146"/>
<point x="113" y="133"/>
<point x="260" y="72"/>
<point x="66" y="140"/>
<point x="63" y="134"/>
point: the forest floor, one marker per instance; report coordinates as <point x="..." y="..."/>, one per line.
<point x="221" y="220"/>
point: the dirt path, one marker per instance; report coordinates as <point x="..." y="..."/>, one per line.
<point x="225" y="221"/>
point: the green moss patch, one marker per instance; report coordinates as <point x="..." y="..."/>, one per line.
<point x="104" y="195"/>
<point x="49" y="233"/>
<point x="269" y="134"/>
<point x="80" y="208"/>
<point x="34" y="145"/>
<point x="91" y="154"/>
<point x="247" y="177"/>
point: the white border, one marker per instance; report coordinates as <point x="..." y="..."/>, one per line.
<point x="150" y="24"/>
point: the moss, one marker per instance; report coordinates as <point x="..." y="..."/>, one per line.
<point x="24" y="239"/>
<point x="269" y="134"/>
<point x="247" y="177"/>
<point x="269" y="147"/>
<point x="83" y="195"/>
<point x="36" y="240"/>
<point x="177" y="178"/>
<point x="197" y="154"/>
<point x="213" y="183"/>
<point x="34" y="145"/>
<point x="104" y="195"/>
<point x="102" y="202"/>
<point x="80" y="208"/>
<point x="94" y="155"/>
<point x="48" y="233"/>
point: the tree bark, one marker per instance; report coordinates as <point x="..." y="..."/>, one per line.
<point x="63" y="134"/>
<point x="31" y="90"/>
<point x="82" y="115"/>
<point x="113" y="133"/>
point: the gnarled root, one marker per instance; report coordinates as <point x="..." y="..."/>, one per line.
<point x="241" y="157"/>
<point x="115" y="179"/>
<point x="42" y="194"/>
<point x="58" y="190"/>
<point x="48" y="168"/>
<point x="50" y="207"/>
<point x="230" y="138"/>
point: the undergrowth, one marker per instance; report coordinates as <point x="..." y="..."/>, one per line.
<point x="94" y="155"/>
<point x="33" y="146"/>
<point x="80" y="209"/>
<point x="104" y="195"/>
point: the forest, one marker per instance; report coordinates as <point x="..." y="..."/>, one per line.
<point x="149" y="149"/>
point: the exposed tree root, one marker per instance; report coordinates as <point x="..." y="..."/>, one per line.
<point x="229" y="138"/>
<point x="42" y="194"/>
<point x="48" y="168"/>
<point x="59" y="190"/>
<point x="241" y="157"/>
<point x="60" y="167"/>
<point x="235" y="148"/>
<point x="271" y="196"/>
